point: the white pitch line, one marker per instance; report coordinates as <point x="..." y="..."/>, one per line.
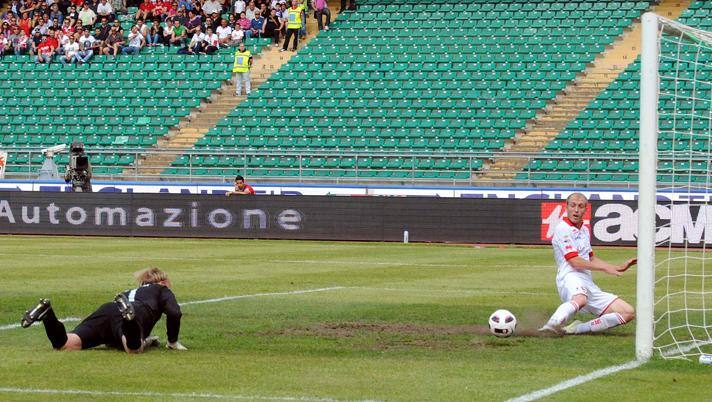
<point x="332" y="262"/>
<point x="220" y="299"/>
<point x="13" y="326"/>
<point x="462" y="291"/>
<point x="173" y="395"/>
<point x="532" y="396"/>
<point x="405" y="264"/>
<point x="293" y="292"/>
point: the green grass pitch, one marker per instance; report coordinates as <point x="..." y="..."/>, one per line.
<point x="407" y="322"/>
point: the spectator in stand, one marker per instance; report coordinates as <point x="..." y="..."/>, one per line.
<point x="241" y="67"/>
<point x="213" y="22"/>
<point x="194" y="22"/>
<point x="263" y="10"/>
<point x="118" y="5"/>
<point x="136" y="42"/>
<point x="5" y="45"/>
<point x="224" y="32"/>
<point x="272" y="27"/>
<point x="244" y="24"/>
<point x="212" y="42"/>
<point x="87" y="16"/>
<point x="20" y="42"/>
<point x="282" y="15"/>
<point x="113" y="43"/>
<point x="71" y="49"/>
<point x="344" y="7"/>
<point x="241" y="188"/>
<point x="294" y="24"/>
<point x="55" y="14"/>
<point x="25" y="23"/>
<point x="178" y="34"/>
<point x="143" y="29"/>
<point x="72" y="15"/>
<point x="155" y="34"/>
<point x="46" y="48"/>
<point x="181" y="16"/>
<point x="29" y="8"/>
<point x="321" y="8"/>
<point x="303" y="29"/>
<point x="86" y="47"/>
<point x="239" y="7"/>
<point x="15" y="7"/>
<point x="35" y="41"/>
<point x="119" y="29"/>
<point x="145" y="10"/>
<point x="257" y="26"/>
<point x="105" y="28"/>
<point x="67" y="27"/>
<point x="186" y="5"/>
<point x="104" y="9"/>
<point x="196" y="45"/>
<point x="211" y="6"/>
<point x="251" y="10"/>
<point x="237" y="36"/>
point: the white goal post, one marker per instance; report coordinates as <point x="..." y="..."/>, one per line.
<point x="674" y="310"/>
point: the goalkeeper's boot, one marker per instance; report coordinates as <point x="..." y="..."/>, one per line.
<point x="552" y="329"/>
<point x="571" y="328"/>
<point x="36" y="314"/>
<point x="125" y="307"/>
<point x="151" y="341"/>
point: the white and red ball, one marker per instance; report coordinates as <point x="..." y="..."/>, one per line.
<point x="502" y="323"/>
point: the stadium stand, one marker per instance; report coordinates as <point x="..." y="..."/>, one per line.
<point x="607" y="130"/>
<point x="409" y="89"/>
<point x="126" y="103"/>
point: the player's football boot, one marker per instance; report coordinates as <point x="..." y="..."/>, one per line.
<point x="151" y="341"/>
<point x="125" y="307"/>
<point x="36" y="314"/>
<point x="552" y="329"/>
<point x="571" y="328"/>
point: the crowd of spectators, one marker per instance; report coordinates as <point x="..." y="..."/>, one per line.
<point x="72" y="31"/>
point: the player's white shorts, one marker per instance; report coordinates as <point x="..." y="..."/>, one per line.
<point x="574" y="283"/>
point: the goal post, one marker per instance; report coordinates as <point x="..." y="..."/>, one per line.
<point x="647" y="165"/>
<point x="674" y="288"/>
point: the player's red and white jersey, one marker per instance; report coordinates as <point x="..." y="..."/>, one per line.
<point x="569" y="242"/>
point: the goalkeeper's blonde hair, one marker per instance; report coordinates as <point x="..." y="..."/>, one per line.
<point x="150" y="275"/>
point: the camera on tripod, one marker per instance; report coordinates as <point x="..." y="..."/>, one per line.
<point x="79" y="169"/>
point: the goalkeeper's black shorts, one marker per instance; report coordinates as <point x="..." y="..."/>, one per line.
<point x="102" y="327"/>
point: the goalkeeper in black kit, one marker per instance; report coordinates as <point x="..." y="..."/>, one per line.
<point x="124" y="324"/>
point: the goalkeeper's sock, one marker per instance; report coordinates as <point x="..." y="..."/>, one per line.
<point x="563" y="314"/>
<point x="55" y="330"/>
<point x="599" y="324"/>
<point x="132" y="333"/>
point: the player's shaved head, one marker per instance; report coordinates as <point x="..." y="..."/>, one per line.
<point x="576" y="204"/>
<point x="576" y="195"/>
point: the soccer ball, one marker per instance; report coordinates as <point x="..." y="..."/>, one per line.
<point x="502" y="323"/>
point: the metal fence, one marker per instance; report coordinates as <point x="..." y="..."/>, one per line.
<point x="472" y="169"/>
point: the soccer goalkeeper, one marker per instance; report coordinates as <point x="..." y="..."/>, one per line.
<point x="124" y="323"/>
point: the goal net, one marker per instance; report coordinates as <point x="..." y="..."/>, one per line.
<point x="675" y="204"/>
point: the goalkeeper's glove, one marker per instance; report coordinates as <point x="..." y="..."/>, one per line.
<point x="175" y="346"/>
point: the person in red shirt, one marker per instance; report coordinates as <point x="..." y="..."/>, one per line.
<point x="241" y="188"/>
<point x="46" y="49"/>
<point x="145" y="10"/>
<point x="25" y="23"/>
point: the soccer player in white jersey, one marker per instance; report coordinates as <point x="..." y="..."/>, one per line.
<point x="575" y="260"/>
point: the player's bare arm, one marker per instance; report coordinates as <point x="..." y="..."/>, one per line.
<point x="598" y="264"/>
